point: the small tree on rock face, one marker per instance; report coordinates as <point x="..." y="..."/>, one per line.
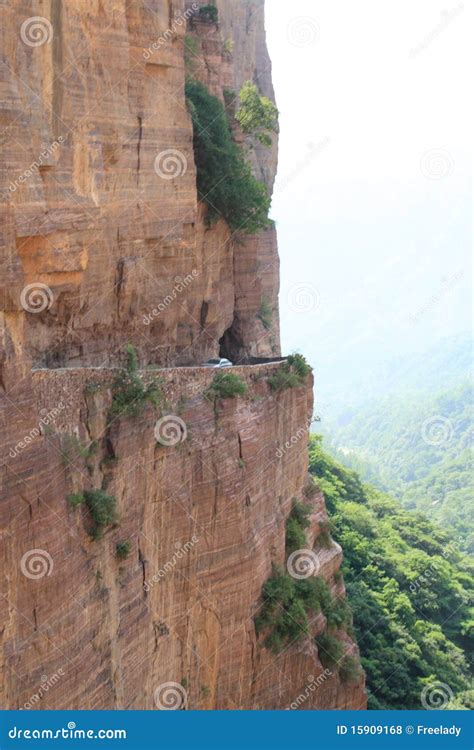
<point x="208" y="13"/>
<point x="257" y="115"/>
<point x="224" y="177"/>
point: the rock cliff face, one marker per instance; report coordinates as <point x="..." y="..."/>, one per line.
<point x="104" y="242"/>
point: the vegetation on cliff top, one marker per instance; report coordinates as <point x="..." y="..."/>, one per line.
<point x="291" y="373"/>
<point x="225" y="181"/>
<point x="408" y="585"/>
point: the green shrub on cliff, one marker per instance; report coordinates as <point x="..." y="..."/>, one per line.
<point x="291" y="373"/>
<point x="330" y="649"/>
<point x="102" y="508"/>
<point x="296" y="523"/>
<point x="226" y="385"/>
<point x="208" y="13"/>
<point x="224" y="178"/>
<point x="257" y="115"/>
<point x="129" y="393"/>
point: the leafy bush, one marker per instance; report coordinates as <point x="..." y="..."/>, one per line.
<point x="295" y="536"/>
<point x="102" y="508"/>
<point x="286" y="604"/>
<point x="122" y="549"/>
<point x="265" y="314"/>
<point x="324" y="536"/>
<point x="224" y="177"/>
<point x="338" y="613"/>
<point x="349" y="670"/>
<point x="299" y="364"/>
<point x="330" y="649"/>
<point x="208" y="13"/>
<point x="282" y="611"/>
<point x="290" y="374"/>
<point x="296" y="523"/>
<point x="257" y="115"/>
<point x="129" y="393"/>
<point x="226" y="385"/>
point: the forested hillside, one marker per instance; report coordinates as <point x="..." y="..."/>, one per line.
<point x="409" y="588"/>
<point x="419" y="448"/>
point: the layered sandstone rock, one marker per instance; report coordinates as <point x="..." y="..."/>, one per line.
<point x="100" y="248"/>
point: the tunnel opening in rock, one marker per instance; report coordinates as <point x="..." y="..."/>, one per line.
<point x="231" y="345"/>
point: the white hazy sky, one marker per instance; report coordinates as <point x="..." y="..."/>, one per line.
<point x="372" y="199"/>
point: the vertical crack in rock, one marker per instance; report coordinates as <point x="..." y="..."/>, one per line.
<point x="139" y="143"/>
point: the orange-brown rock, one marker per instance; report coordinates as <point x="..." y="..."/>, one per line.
<point x="99" y="248"/>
